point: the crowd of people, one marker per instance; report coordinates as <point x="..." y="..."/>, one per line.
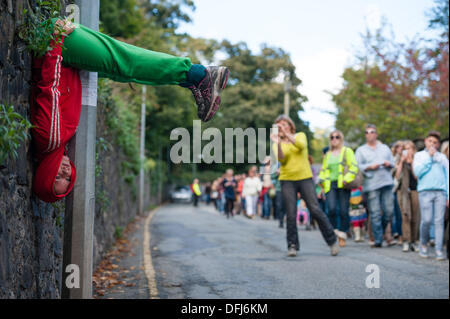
<point x="388" y="195"/>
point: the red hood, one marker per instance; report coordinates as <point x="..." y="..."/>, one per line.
<point x="44" y="178"/>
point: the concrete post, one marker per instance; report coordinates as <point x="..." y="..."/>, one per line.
<point x="142" y="154"/>
<point x="80" y="205"/>
<point x="287" y="88"/>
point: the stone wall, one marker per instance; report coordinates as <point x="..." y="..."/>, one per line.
<point x="31" y="231"/>
<point x="30" y="239"/>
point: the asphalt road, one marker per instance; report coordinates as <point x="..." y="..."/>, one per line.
<point x="198" y="253"/>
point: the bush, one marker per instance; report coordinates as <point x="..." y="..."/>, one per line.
<point x="14" y="130"/>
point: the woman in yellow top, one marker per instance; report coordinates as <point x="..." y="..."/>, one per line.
<point x="291" y="150"/>
<point x="333" y="178"/>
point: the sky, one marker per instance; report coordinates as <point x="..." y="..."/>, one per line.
<point x="321" y="36"/>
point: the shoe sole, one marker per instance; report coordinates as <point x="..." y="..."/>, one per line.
<point x="219" y="85"/>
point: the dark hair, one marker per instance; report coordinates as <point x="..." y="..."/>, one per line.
<point x="435" y="134"/>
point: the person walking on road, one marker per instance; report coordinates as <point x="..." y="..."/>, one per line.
<point x="267" y="187"/>
<point x="195" y="187"/>
<point x="333" y="178"/>
<point x="250" y="191"/>
<point x="291" y="149"/>
<point x="431" y="168"/>
<point x="375" y="161"/>
<point x="229" y="185"/>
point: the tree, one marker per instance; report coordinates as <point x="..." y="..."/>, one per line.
<point x="121" y="18"/>
<point x="402" y="88"/>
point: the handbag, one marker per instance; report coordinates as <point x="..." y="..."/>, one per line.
<point x="357" y="182"/>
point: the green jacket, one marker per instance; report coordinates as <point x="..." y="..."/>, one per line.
<point x="346" y="158"/>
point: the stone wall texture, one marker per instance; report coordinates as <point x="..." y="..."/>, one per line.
<point x="31" y="231"/>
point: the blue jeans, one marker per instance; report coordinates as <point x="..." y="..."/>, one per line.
<point x="339" y="198"/>
<point x="397" y="218"/>
<point x="432" y="204"/>
<point x="267" y="203"/>
<point x="380" y="200"/>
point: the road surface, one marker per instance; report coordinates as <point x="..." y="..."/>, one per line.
<point x="198" y="253"/>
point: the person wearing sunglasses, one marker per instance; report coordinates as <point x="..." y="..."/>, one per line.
<point x="333" y="177"/>
<point x="375" y="161"/>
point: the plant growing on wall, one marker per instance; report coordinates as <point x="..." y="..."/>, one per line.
<point x="14" y="130"/>
<point x="37" y="31"/>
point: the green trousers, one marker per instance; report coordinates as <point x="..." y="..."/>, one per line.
<point x="90" y="50"/>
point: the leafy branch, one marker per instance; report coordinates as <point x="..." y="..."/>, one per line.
<point x="38" y="30"/>
<point x="14" y="130"/>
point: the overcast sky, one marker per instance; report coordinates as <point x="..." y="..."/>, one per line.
<point x="321" y="36"/>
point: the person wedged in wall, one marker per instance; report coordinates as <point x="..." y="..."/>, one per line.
<point x="56" y="93"/>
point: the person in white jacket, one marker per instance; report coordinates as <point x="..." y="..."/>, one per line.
<point x="250" y="191"/>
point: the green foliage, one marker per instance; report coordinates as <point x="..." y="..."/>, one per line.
<point x="253" y="97"/>
<point x="14" y="130"/>
<point x="102" y="200"/>
<point x="121" y="18"/>
<point x="101" y="145"/>
<point x="439" y="16"/>
<point x="122" y="126"/>
<point x="118" y="232"/>
<point x="37" y="31"/>
<point x="401" y="88"/>
<point x="59" y="208"/>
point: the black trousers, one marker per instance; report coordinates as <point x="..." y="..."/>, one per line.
<point x="196" y="200"/>
<point x="307" y="191"/>
<point x="229" y="203"/>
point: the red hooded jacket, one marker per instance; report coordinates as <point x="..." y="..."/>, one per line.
<point x="55" y="111"/>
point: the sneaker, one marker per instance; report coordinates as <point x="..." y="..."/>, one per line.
<point x="376" y="245"/>
<point x="334" y="249"/>
<point x="405" y="247"/>
<point x="439" y="255"/>
<point x="292" y="251"/>
<point x="423" y="251"/>
<point x="413" y="247"/>
<point x="391" y="242"/>
<point x="207" y="93"/>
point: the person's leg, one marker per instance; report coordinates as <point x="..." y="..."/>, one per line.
<point x="94" y="51"/>
<point x="265" y="204"/>
<point x="308" y="194"/>
<point x="387" y="206"/>
<point x="405" y="207"/>
<point x="332" y="200"/>
<point x="415" y="213"/>
<point x="344" y="204"/>
<point x="426" y="210"/>
<point x="280" y="207"/>
<point x="439" y="213"/>
<point x="373" y="202"/>
<point x="397" y="222"/>
<point x="432" y="233"/>
<point x="227" y="207"/>
<point x="290" y="203"/>
<point x="249" y="206"/>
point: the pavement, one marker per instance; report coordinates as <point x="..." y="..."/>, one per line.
<point x="197" y="253"/>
